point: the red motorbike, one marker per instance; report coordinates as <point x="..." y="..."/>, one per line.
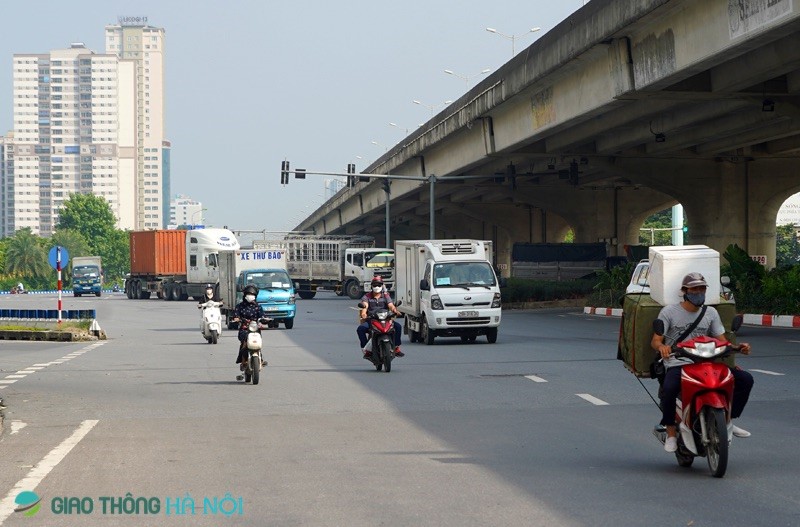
<point x="381" y="338"/>
<point x="703" y="411"/>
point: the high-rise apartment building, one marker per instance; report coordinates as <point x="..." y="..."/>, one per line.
<point x="185" y="211"/>
<point x="144" y="154"/>
<point x="86" y="122"/>
<point x="64" y="138"/>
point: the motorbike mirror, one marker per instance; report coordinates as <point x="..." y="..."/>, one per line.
<point x="725" y="280"/>
<point x="362" y="305"/>
<point x="658" y="327"/>
<point x="424" y="285"/>
<point x="737" y="322"/>
<point x="399" y="303"/>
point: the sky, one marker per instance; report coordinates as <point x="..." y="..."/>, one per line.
<point x="250" y="83"/>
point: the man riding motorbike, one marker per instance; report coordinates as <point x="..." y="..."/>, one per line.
<point x="246" y="310"/>
<point x="376" y="299"/>
<point x="677" y="318"/>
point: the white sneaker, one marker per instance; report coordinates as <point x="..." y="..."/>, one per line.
<point x="671" y="444"/>
<point x="740" y="432"/>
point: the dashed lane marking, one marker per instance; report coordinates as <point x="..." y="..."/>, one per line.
<point x="21" y="374"/>
<point x="767" y="372"/>
<point x="592" y="399"/>
<point x="534" y="378"/>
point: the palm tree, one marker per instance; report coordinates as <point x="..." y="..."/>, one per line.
<point x="25" y="257"/>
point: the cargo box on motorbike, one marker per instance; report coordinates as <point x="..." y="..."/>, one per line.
<point x="636" y="329"/>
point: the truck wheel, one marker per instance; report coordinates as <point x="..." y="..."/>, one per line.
<point x="307" y="295"/>
<point x="97" y="294"/>
<point x="353" y="289"/>
<point x="76" y="294"/>
<point x="491" y="335"/>
<point x="175" y="292"/>
<point x="288" y="323"/>
<point x="167" y="292"/>
<point x="413" y="336"/>
<point x="426" y="335"/>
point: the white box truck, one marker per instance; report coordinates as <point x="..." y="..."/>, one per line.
<point x="266" y="269"/>
<point x="447" y="288"/>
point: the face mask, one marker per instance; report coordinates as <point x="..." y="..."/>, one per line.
<point x="696" y="299"/>
<point x="377" y="289"/>
<point x="209" y="294"/>
<point x="250" y="298"/>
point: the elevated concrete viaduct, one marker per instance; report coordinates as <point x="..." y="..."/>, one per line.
<point x="625" y="108"/>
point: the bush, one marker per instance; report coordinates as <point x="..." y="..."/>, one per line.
<point x="528" y="290"/>
<point x="611" y="284"/>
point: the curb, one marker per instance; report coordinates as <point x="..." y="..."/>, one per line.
<point x="778" y="321"/>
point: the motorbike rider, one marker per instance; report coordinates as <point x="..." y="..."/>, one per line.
<point x="209" y="295"/>
<point x="245" y="311"/>
<point x="375" y="299"/>
<point x="677" y="318"/>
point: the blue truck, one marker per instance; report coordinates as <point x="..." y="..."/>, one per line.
<point x="266" y="269"/>
<point x="87" y="275"/>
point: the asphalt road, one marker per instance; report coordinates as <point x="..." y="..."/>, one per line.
<point x="545" y="427"/>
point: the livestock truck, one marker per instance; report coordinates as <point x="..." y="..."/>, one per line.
<point x="343" y="264"/>
<point x="176" y="264"/>
<point x="87" y="275"/>
<point x="266" y="269"/>
<point x="447" y="288"/>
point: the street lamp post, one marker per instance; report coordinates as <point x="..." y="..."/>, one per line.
<point x="512" y="38"/>
<point x="467" y="78"/>
<point x="431" y="107"/>
<point x="195" y="213"/>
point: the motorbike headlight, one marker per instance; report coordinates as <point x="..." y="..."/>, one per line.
<point x="496" y="300"/>
<point x="707" y="350"/>
<point x="253" y="326"/>
<point x="436" y="302"/>
<point x="382" y="315"/>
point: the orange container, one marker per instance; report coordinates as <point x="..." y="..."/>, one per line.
<point x="158" y="252"/>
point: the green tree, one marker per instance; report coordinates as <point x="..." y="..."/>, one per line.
<point x="115" y="250"/>
<point x="659" y="220"/>
<point x="25" y="257"/>
<point x="90" y="215"/>
<point x="787" y="247"/>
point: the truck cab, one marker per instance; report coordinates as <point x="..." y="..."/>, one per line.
<point x="87" y="276"/>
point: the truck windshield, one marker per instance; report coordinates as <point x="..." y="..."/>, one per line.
<point x="85" y="271"/>
<point x="463" y="274"/>
<point x="269" y="280"/>
<point x="379" y="259"/>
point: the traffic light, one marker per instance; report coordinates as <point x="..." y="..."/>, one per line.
<point x="300" y="173"/>
<point x="387" y="185"/>
<point x="685" y="229"/>
<point x="351" y="180"/>
<point x="284" y="172"/>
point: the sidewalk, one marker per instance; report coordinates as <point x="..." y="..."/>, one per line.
<point x="780" y="321"/>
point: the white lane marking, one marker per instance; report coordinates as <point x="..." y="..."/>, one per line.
<point x="3" y="381"/>
<point x="534" y="378"/>
<point x="43" y="468"/>
<point x="35" y="368"/>
<point x="43" y="364"/>
<point x="592" y="399"/>
<point x="16" y="426"/>
<point x="768" y="372"/>
<point x="14" y="377"/>
<point x="26" y="371"/>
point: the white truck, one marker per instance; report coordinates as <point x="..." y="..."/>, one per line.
<point x="176" y="264"/>
<point x="266" y="269"/>
<point x="343" y="264"/>
<point x="447" y="288"/>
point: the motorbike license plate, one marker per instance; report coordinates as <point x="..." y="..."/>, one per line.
<point x="272" y="308"/>
<point x="467" y="313"/>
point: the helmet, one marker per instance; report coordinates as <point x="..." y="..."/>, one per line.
<point x="693" y="280"/>
<point x="250" y="290"/>
<point x="376" y="281"/>
<point x="209" y="286"/>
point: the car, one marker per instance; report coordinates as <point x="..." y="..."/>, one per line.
<point x="639" y="283"/>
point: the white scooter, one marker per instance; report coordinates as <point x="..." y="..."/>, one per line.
<point x="211" y="322"/>
<point x="253" y="362"/>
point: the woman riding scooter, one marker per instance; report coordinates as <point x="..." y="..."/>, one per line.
<point x="246" y="310"/>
